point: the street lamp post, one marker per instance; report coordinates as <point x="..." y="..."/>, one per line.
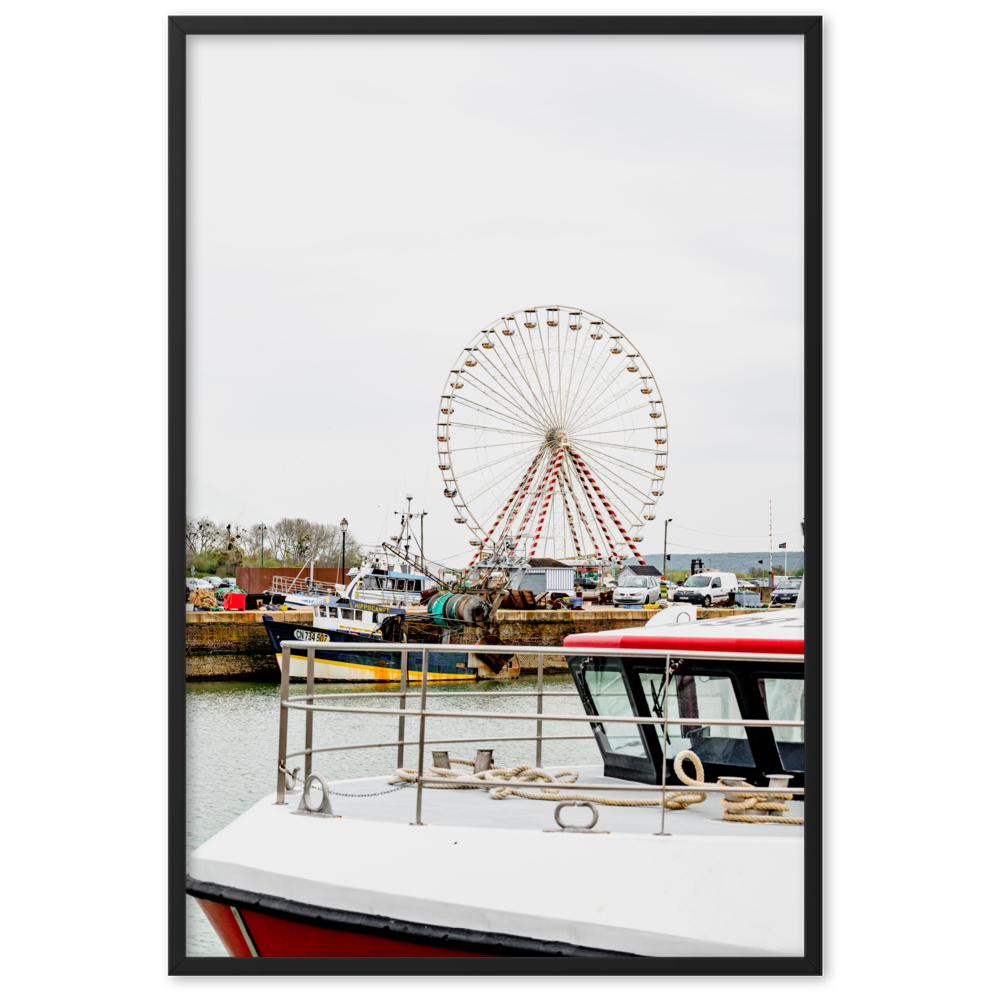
<point x="343" y="550"/>
<point x="665" y="523"/>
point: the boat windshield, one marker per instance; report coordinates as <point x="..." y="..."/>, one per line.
<point x="694" y="697"/>
<point x="607" y="689"/>
<point x="698" y="581"/>
<point x="785" y="698"/>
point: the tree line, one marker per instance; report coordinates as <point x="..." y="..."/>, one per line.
<point x="292" y="541"/>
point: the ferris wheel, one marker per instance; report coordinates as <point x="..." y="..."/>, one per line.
<point x="552" y="438"/>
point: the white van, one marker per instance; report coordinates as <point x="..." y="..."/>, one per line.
<point x="707" y="588"/>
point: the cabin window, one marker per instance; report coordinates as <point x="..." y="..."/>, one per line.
<point x="785" y="698"/>
<point x="607" y="690"/>
<point x="411" y="584"/>
<point x="694" y="697"/>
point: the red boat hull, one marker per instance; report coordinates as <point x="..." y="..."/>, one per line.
<point x="252" y="925"/>
<point x="275" y="937"/>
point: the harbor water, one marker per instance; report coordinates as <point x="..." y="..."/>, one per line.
<point x="232" y="748"/>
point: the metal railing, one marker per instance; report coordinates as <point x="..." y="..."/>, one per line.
<point x="307" y="703"/>
<point x="299" y="585"/>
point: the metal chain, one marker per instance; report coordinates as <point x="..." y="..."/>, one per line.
<point x="369" y="795"/>
<point x="347" y="795"/>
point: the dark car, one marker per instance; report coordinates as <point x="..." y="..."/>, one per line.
<point x="584" y="583"/>
<point x="787" y="593"/>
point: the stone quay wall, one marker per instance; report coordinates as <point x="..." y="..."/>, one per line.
<point x="234" y="645"/>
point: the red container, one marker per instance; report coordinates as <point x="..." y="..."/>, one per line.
<point x="234" y="602"/>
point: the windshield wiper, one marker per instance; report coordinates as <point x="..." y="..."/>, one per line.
<point x="657" y="703"/>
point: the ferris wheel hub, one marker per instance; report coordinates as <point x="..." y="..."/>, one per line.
<point x="556" y="437"/>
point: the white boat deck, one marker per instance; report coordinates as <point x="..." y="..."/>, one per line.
<point x="711" y="888"/>
<point x="475" y="808"/>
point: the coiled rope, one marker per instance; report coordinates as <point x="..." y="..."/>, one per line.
<point x="736" y="805"/>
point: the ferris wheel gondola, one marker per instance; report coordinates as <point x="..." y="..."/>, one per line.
<point x="550" y="442"/>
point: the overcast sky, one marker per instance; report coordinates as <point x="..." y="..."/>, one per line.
<point x="360" y="207"/>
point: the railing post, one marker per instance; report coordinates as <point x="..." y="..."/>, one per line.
<point x="310" y="674"/>
<point x="404" y="671"/>
<point x="423" y="721"/>
<point x="538" y="710"/>
<point x="286" y="665"/>
<point x="663" y="791"/>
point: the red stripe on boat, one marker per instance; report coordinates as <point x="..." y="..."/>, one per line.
<point x="279" y="938"/>
<point x="708" y="644"/>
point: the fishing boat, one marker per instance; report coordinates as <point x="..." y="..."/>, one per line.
<point x="374" y="607"/>
<point x="692" y="842"/>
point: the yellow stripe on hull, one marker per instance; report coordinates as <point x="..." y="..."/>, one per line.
<point x="331" y="670"/>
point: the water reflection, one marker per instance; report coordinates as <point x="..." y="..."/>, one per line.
<point x="232" y="745"/>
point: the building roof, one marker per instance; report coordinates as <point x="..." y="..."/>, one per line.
<point x="547" y="564"/>
<point x="641" y="570"/>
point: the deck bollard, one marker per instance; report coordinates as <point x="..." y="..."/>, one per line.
<point x="441" y="759"/>
<point x="484" y="761"/>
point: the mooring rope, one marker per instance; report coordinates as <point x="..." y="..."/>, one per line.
<point x="736" y="804"/>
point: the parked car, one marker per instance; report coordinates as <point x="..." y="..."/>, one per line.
<point x="193" y="583"/>
<point x="637" y="585"/>
<point x="707" y="588"/>
<point x="787" y="593"/>
<point x="214" y="581"/>
<point x="228" y="581"/>
<point x="584" y="583"/>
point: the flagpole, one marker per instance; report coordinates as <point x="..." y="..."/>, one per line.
<point x="770" y="540"/>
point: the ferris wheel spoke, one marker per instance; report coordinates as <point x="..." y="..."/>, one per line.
<point x="571" y="402"/>
<point x="601" y="415"/>
<point x="572" y="408"/>
<point x="598" y="408"/>
<point x="585" y="390"/>
<point x="476" y="447"/>
<point x="533" y="404"/>
<point x="527" y="428"/>
<point x="541" y="407"/>
<point x="589" y="442"/>
<point x="493" y="465"/>
<point x="496" y="395"/>
<point x="629" y="412"/>
<point x="489" y="429"/>
<point x="596" y="449"/>
<point x="529" y="351"/>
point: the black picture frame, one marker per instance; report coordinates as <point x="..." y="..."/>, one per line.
<point x="810" y="29"/>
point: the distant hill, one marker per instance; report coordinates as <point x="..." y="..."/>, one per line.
<point x="727" y="562"/>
